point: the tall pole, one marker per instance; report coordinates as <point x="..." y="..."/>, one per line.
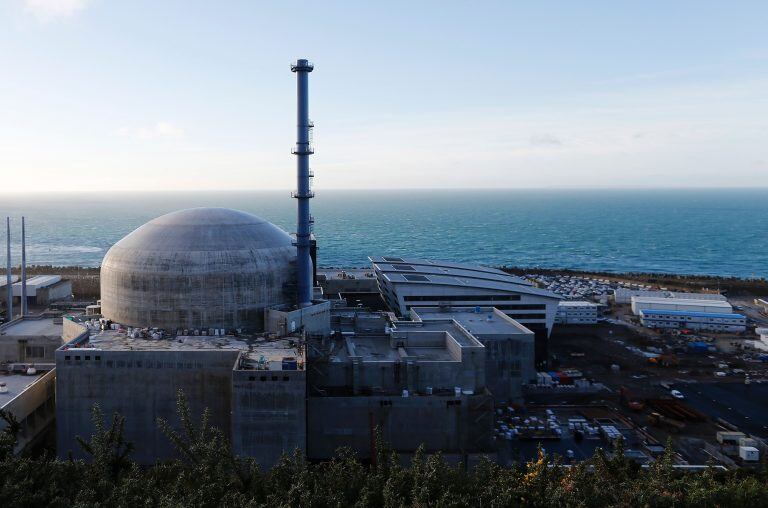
<point x="303" y="193"/>
<point x="8" y="278"/>
<point x="23" y="269"/>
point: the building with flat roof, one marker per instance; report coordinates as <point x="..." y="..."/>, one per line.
<point x="509" y="346"/>
<point x="576" y="312"/>
<point x="31" y="339"/>
<point x="243" y="381"/>
<point x="347" y="280"/>
<point x="27" y="378"/>
<point x="640" y="303"/>
<point x="410" y="282"/>
<point x="44" y="289"/>
<point x="624" y="295"/>
<point x="417" y="383"/>
<point x="679" y="319"/>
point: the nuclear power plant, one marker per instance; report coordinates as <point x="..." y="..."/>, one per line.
<point x="228" y="309"/>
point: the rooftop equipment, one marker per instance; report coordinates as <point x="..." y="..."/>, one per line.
<point x="303" y="193"/>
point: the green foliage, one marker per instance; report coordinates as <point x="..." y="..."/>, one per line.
<point x="206" y="473"/>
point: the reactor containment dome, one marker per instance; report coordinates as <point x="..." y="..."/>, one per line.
<point x="197" y="269"/>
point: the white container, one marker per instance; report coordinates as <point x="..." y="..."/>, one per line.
<point x="749" y="453"/>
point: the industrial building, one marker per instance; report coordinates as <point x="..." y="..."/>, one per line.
<point x="419" y="383"/>
<point x="509" y="346"/>
<point x="27" y="380"/>
<point x="222" y="306"/>
<point x="254" y="388"/>
<point x="640" y="303"/>
<point x="624" y="296"/>
<point x="679" y="319"/>
<point x="198" y="268"/>
<point x="43" y="290"/>
<point x="576" y="312"/>
<point x="409" y="282"/>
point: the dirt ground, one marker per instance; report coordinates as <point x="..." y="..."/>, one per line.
<point x="594" y="349"/>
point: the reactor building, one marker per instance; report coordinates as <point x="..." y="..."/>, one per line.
<point x="221" y="305"/>
<point x="198" y="268"/>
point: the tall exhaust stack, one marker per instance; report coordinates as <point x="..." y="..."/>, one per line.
<point x="23" y="269"/>
<point x="8" y="279"/>
<point x="303" y="193"/>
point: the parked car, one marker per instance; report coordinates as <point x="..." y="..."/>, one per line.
<point x="677" y="394"/>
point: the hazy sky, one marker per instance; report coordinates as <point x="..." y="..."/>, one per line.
<point x="162" y="94"/>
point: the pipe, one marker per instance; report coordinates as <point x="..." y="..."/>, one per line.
<point x="23" y="269"/>
<point x="8" y="278"/>
<point x="303" y="193"/>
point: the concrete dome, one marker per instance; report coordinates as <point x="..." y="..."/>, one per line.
<point x="198" y="268"/>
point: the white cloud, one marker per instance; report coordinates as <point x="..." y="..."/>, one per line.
<point x="160" y="130"/>
<point x="48" y="10"/>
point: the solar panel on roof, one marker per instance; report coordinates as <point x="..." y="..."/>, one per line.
<point x="404" y="267"/>
<point x="396" y="260"/>
<point x="416" y="278"/>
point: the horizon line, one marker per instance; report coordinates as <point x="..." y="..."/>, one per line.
<point x="386" y="189"/>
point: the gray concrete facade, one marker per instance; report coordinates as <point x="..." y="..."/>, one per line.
<point x="449" y="424"/>
<point x="509" y="346"/>
<point x="269" y="413"/>
<point x="142" y="386"/>
<point x="199" y="268"/>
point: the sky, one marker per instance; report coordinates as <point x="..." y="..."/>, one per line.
<point x="147" y="95"/>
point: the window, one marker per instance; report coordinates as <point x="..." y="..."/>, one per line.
<point x="35" y="351"/>
<point x="459" y="298"/>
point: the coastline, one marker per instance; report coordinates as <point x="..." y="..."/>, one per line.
<point x="85" y="280"/>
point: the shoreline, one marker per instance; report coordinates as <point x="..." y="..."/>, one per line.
<point x="85" y="280"/>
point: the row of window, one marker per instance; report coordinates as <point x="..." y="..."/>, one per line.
<point x="148" y="364"/>
<point x="264" y="378"/>
<point x="461" y="298"/>
<point x="735" y="321"/>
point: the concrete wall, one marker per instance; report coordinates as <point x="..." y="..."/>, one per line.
<point x="142" y="386"/>
<point x="60" y="291"/>
<point x="366" y="374"/>
<point x="269" y="412"/>
<point x="27" y="348"/>
<point x="71" y="329"/>
<point x="34" y="409"/>
<point x="357" y="285"/>
<point x="316" y="320"/>
<point x="449" y="424"/>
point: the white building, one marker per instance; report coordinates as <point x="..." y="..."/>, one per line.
<point x="640" y="303"/>
<point x="576" y="313"/>
<point x="679" y="319"/>
<point x="409" y="282"/>
<point x="624" y="295"/>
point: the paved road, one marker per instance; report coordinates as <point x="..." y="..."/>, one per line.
<point x="745" y="406"/>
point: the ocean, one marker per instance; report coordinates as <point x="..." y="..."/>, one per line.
<point x="712" y="232"/>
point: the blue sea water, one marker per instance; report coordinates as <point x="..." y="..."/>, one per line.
<point x="716" y="232"/>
